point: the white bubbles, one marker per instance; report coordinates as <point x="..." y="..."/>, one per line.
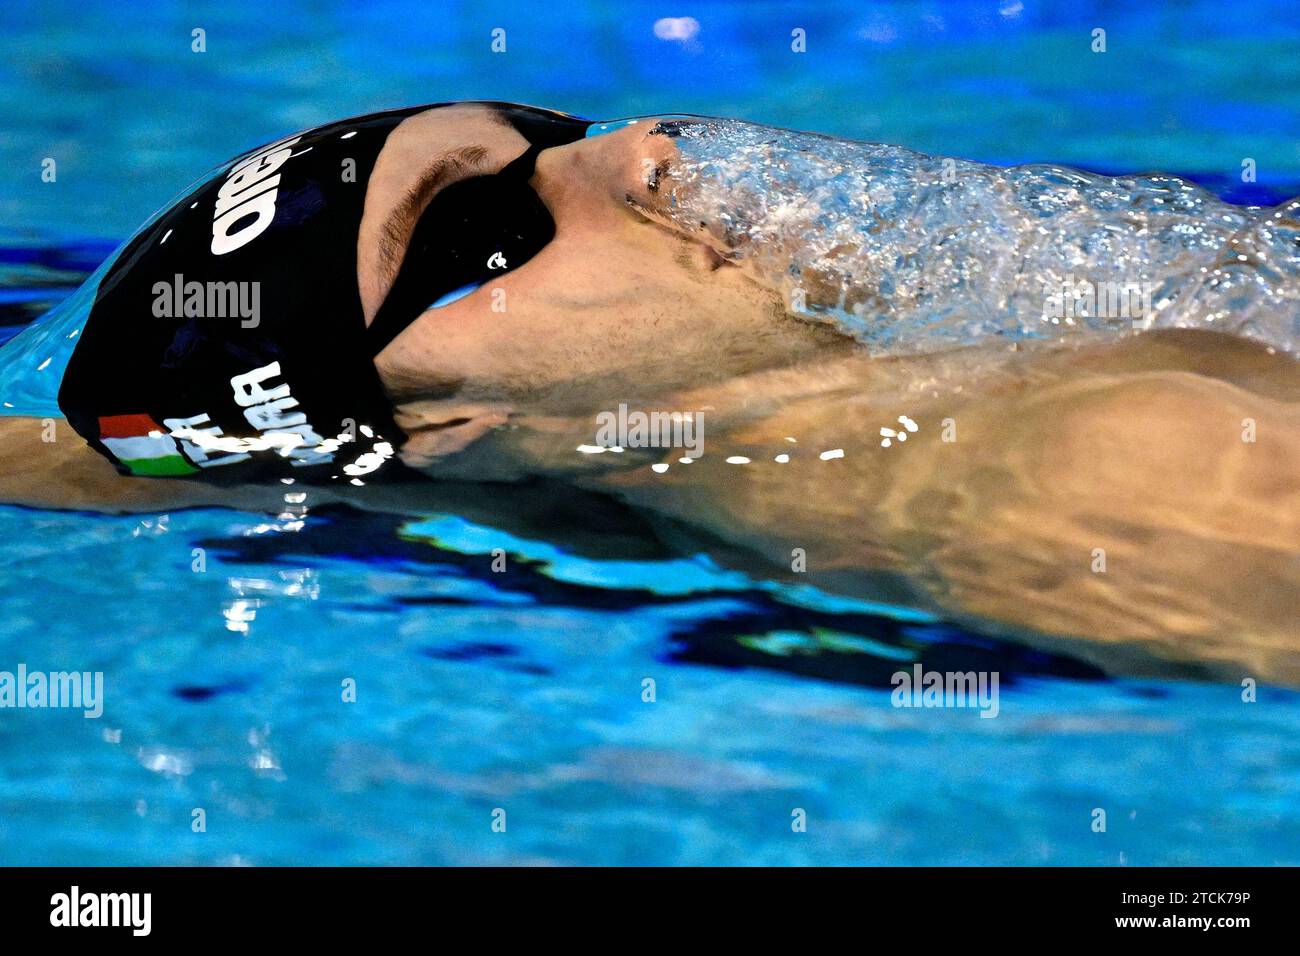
<point x="913" y="253"/>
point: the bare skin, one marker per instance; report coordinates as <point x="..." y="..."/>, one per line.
<point x="1024" y="465"/>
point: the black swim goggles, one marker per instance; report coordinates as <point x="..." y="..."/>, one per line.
<point x="227" y="340"/>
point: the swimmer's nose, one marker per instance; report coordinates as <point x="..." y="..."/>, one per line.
<point x="648" y="174"/>
<point x="638" y="161"/>
<point x="671" y="186"/>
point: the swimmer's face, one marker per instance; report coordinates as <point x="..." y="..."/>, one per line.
<point x="614" y="307"/>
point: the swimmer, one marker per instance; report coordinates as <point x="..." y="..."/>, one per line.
<point x="389" y="310"/>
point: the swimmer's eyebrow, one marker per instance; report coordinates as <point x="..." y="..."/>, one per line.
<point x="396" y="231"/>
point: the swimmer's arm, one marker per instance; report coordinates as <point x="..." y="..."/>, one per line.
<point x="45" y="464"/>
<point x="1117" y="454"/>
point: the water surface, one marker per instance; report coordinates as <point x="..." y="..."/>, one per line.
<point x="524" y="690"/>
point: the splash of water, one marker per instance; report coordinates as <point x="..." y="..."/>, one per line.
<point x="909" y="252"/>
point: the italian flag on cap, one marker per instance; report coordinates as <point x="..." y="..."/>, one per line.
<point x="141" y="444"/>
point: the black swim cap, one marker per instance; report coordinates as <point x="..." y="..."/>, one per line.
<point x="228" y="341"/>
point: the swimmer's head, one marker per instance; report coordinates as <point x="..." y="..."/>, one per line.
<point x="230" y="336"/>
<point x="465" y="256"/>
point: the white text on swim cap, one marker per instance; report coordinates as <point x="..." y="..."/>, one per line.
<point x="267" y="410"/>
<point x="249" y="191"/>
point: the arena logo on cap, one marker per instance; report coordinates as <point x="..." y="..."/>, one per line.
<point x="246" y="201"/>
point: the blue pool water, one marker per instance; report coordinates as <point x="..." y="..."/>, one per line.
<point x="523" y="690"/>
